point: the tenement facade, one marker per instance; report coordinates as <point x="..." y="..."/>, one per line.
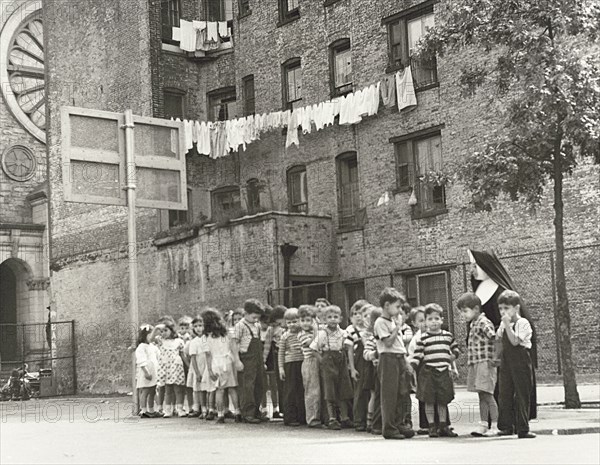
<point x="353" y="204"/>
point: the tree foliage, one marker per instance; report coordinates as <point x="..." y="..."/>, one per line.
<point x="543" y="60"/>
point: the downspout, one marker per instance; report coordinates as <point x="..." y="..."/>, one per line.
<point x="287" y="251"/>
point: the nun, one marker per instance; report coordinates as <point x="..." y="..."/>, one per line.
<point x="489" y="279"/>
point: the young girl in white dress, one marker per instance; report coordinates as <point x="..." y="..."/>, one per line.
<point x="221" y="364"/>
<point x="146" y="360"/>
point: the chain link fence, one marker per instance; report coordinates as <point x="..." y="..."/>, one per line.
<point x="533" y="274"/>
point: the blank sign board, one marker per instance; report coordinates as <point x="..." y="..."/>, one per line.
<point x="94" y="161"/>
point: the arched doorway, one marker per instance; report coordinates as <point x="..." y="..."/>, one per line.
<point x="14" y="303"/>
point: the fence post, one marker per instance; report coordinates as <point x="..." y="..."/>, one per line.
<point x="464" y="267"/>
<point x="553" y="281"/>
<point x="22" y="345"/>
<point x="74" y="355"/>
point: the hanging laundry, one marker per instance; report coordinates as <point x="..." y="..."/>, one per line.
<point x="374" y="107"/>
<point x="318" y="116"/>
<point x="329" y="114"/>
<point x="188" y="129"/>
<point x="187" y="40"/>
<point x="223" y="29"/>
<point x="200" y="28"/>
<point x="203" y="144"/>
<point x="388" y="91"/>
<point x="176" y="34"/>
<point x="384" y="199"/>
<point x="292" y="129"/>
<point x="405" y="90"/>
<point x="212" y="34"/>
<point x="307" y="115"/>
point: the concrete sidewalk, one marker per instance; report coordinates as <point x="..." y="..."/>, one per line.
<point x="464" y="411"/>
<point x="552" y="417"/>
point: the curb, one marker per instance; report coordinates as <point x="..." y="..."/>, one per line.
<point x="568" y="431"/>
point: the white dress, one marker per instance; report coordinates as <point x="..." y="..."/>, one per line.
<point x="146" y="355"/>
<point x="222" y="364"/>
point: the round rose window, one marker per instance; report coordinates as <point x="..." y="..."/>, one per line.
<point x="22" y="70"/>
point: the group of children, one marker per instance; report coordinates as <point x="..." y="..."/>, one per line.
<point x="321" y="375"/>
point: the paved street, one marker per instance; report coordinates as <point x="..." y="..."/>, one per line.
<point x="101" y="431"/>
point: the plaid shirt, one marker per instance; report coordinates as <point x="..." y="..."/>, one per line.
<point x="481" y="341"/>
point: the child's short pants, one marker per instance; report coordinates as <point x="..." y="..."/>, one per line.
<point x="482" y="377"/>
<point x="435" y="386"/>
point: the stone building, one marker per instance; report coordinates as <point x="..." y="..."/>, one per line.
<point x="24" y="267"/>
<point x="269" y="217"/>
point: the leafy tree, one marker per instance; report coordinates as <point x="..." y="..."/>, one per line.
<point x="544" y="62"/>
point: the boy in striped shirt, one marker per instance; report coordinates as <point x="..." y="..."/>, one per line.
<point x="436" y="350"/>
<point x="290" y="371"/>
<point x="310" y="366"/>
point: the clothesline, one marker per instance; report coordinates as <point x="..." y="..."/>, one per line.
<point x="200" y="35"/>
<point x="218" y="139"/>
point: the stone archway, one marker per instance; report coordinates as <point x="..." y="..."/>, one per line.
<point x="15" y="275"/>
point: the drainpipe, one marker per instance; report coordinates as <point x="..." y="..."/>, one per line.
<point x="287" y="251"/>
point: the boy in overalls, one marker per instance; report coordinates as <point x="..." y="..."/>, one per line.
<point x="516" y="368"/>
<point x="337" y="388"/>
<point x="247" y="343"/>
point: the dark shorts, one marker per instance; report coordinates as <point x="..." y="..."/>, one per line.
<point x="272" y="358"/>
<point x="434" y="386"/>
<point x="336" y="378"/>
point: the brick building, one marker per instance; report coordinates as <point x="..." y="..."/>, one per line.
<point x="270" y="217"/>
<point x="24" y="267"/>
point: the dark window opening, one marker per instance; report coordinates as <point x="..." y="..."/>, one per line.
<point x="226" y="203"/>
<point x="429" y="287"/>
<point x="174" y="104"/>
<point x="249" y="95"/>
<point x="253" y="196"/>
<point x="297" y="190"/>
<point x="341" y="67"/>
<point x="416" y="160"/>
<point x="292" y="84"/>
<point x="289" y="10"/>
<point x="348" y="193"/>
<point x="170" y="16"/>
<point x="222" y="104"/>
<point x="404" y="33"/>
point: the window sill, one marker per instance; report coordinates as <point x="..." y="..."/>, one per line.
<point x="330" y="2"/>
<point x="289" y="18"/>
<point x="244" y="15"/>
<point x="340" y="93"/>
<point x="401" y="190"/>
<point x="427" y="87"/>
<point x="430" y="214"/>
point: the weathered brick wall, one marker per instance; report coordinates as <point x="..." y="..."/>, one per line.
<point x="221" y="267"/>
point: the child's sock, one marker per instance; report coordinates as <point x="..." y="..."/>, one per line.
<point x="236" y="411"/>
<point x="204" y="410"/>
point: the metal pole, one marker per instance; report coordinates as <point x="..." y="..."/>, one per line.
<point x="131" y="241"/>
<point x="74" y="355"/>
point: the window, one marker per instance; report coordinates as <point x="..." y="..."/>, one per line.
<point x="292" y="84"/>
<point x="404" y="32"/>
<point x="297" y="190"/>
<point x="219" y="10"/>
<point x="417" y="157"/>
<point x="173" y="104"/>
<point x="289" y="10"/>
<point x="348" y="200"/>
<point x="355" y="290"/>
<point x="429" y="287"/>
<point x="244" y="6"/>
<point x="170" y="15"/>
<point x="226" y="203"/>
<point x="341" y="67"/>
<point x="179" y="217"/>
<point x="253" y="196"/>
<point x="222" y="104"/>
<point x="249" y="97"/>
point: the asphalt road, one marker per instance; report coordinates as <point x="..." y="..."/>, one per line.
<point x="94" y="432"/>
